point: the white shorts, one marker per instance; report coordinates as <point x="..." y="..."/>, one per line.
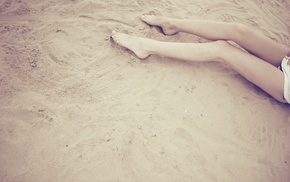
<point x="285" y="65"/>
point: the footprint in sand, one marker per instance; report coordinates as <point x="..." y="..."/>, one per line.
<point x="262" y="135"/>
<point x="183" y="140"/>
<point x="48" y="154"/>
<point x="52" y="53"/>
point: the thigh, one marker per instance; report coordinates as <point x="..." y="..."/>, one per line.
<point x="252" y="40"/>
<point x="259" y="45"/>
<point x="264" y="75"/>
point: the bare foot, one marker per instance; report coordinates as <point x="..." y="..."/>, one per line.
<point x="167" y="27"/>
<point x="135" y="44"/>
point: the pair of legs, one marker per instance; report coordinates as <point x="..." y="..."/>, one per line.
<point x="259" y="66"/>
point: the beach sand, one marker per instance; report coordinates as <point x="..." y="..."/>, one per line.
<point x="77" y="107"/>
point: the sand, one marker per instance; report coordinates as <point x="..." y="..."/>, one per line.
<point x="77" y="107"/>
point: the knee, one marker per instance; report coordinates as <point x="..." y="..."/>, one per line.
<point x="224" y="47"/>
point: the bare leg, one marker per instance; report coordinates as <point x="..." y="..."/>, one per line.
<point x="261" y="73"/>
<point x="144" y="47"/>
<point x="251" y="40"/>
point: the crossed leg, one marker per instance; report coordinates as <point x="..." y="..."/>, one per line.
<point x="263" y="74"/>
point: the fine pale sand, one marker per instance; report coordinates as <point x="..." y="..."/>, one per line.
<point x="77" y="107"/>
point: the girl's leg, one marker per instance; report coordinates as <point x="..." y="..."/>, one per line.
<point x="253" y="41"/>
<point x="263" y="74"/>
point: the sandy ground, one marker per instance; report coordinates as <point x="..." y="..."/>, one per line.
<point x="77" y="107"/>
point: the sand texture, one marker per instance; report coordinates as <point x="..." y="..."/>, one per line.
<point x="76" y="107"/>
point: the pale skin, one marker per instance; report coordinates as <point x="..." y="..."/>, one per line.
<point x="258" y="65"/>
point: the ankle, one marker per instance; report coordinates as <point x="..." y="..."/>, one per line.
<point x="149" y="46"/>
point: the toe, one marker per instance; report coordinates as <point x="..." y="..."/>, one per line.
<point x="113" y="33"/>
